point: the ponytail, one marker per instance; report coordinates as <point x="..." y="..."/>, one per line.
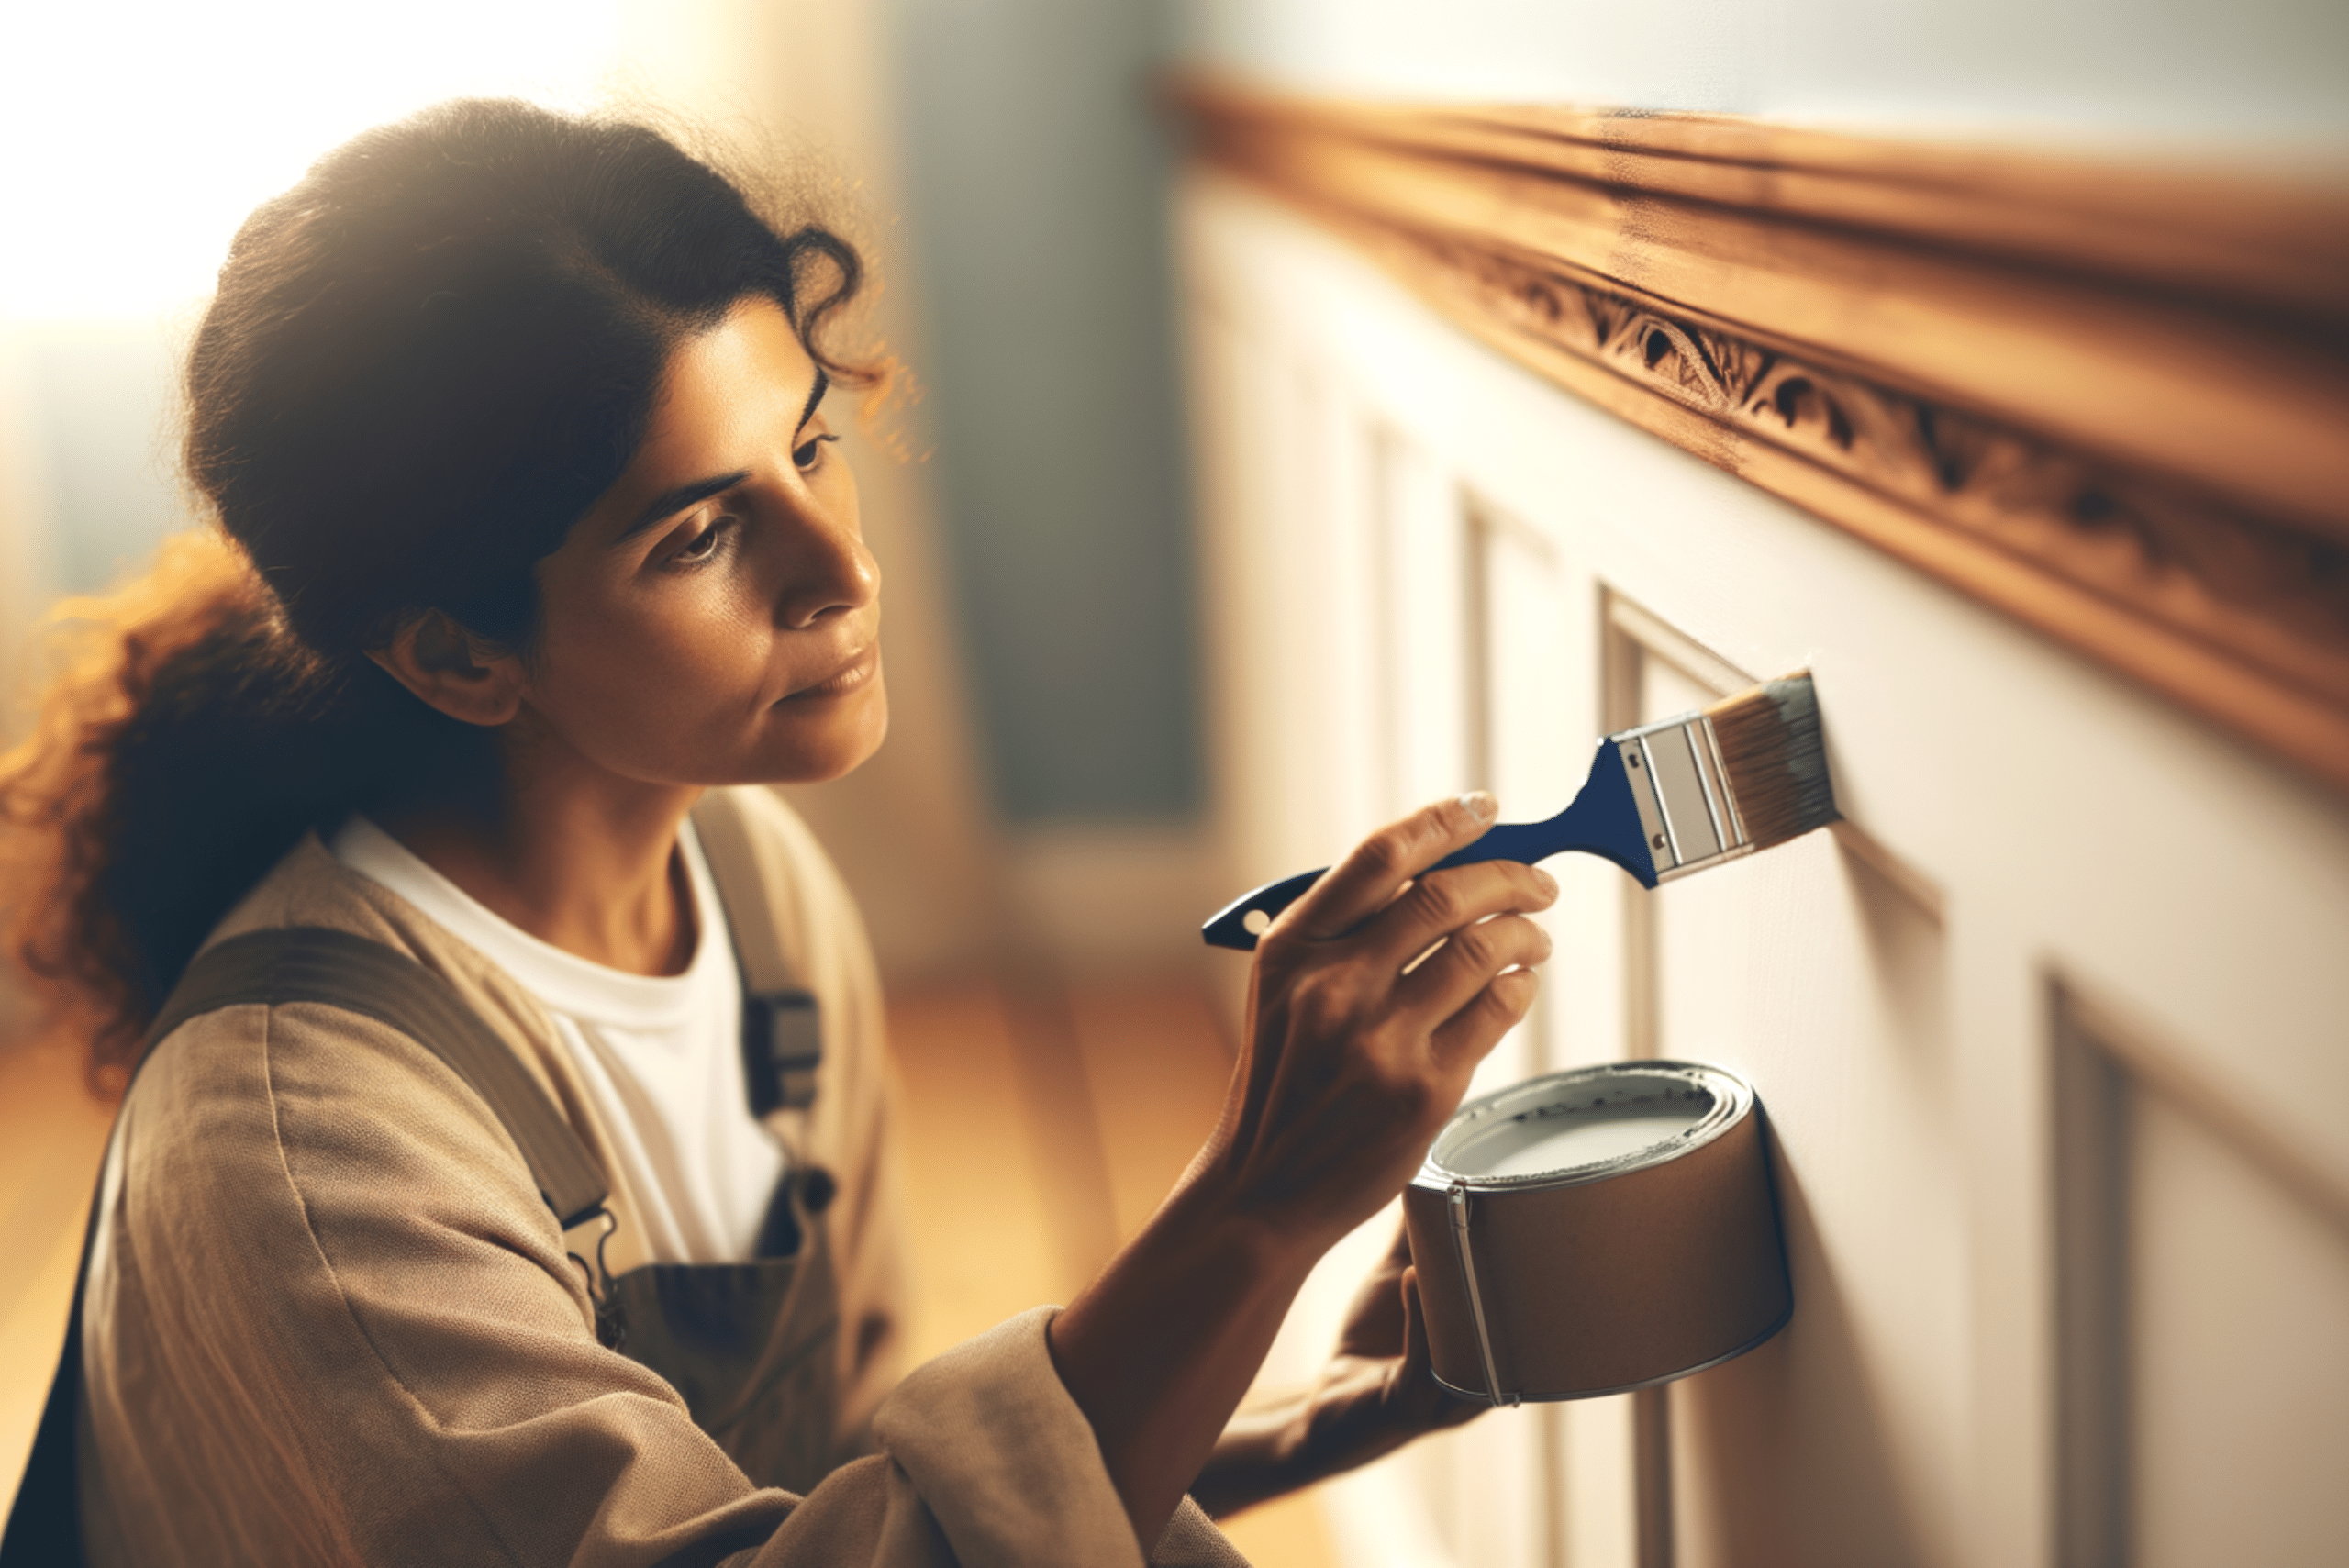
<point x="61" y="813"/>
<point x="187" y="742"/>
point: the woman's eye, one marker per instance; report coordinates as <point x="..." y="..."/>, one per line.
<point x="702" y="545"/>
<point x="807" y="454"/>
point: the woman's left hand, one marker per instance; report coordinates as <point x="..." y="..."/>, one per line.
<point x="1376" y="1393"/>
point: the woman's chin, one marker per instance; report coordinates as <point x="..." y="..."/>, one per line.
<point x="851" y="732"/>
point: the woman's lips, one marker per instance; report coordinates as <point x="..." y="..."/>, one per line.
<point x="862" y="667"/>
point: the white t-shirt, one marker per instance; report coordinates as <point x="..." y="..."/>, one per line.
<point x="660" y="1054"/>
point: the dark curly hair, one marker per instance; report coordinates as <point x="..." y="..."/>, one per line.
<point x="424" y="362"/>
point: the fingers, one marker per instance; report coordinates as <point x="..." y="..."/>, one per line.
<point x="1367" y="880"/>
<point x="1449" y="903"/>
<point x="1473" y="1031"/>
<point x="1466" y="965"/>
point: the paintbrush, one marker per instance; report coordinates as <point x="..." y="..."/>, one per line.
<point x="1662" y="801"/>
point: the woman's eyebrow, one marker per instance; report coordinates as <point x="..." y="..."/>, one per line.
<point x="814" y="395"/>
<point x="671" y="502"/>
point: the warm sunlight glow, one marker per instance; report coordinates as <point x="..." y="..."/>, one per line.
<point x="135" y="138"/>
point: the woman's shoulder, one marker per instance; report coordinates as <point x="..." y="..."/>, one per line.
<point x="268" y="1065"/>
<point x="309" y="888"/>
<point x="222" y="1046"/>
<point x="292" y="1095"/>
<point x="316" y="1146"/>
<point x="290" y="1076"/>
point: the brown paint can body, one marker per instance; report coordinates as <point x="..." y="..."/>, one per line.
<point x="1598" y="1230"/>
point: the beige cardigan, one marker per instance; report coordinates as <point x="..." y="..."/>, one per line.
<point x="329" y="1320"/>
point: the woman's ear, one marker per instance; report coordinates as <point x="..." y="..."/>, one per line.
<point x="453" y="670"/>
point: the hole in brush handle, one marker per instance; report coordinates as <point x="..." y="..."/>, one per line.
<point x="1239" y="923"/>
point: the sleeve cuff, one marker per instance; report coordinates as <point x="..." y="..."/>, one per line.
<point x="1007" y="1462"/>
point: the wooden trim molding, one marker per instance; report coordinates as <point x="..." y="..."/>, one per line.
<point x="2111" y="402"/>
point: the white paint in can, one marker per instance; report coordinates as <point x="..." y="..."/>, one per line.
<point x="1537" y="1148"/>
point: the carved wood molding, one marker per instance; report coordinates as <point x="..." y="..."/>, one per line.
<point x="2112" y="403"/>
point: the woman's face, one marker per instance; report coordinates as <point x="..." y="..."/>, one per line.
<point x="716" y="617"/>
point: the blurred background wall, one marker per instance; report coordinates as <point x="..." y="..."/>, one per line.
<point x="1036" y="177"/>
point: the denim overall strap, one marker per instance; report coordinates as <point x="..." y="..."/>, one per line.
<point x="783" y="1033"/>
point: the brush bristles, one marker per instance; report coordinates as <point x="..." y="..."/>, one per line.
<point x="1775" y="760"/>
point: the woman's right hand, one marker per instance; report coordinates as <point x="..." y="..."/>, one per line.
<point x="1360" y="1043"/>
<point x="1355" y="1053"/>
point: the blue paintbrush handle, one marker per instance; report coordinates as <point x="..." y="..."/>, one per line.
<point x="1603" y="820"/>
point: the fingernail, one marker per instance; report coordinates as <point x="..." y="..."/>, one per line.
<point x="1481" y="805"/>
<point x="1549" y="883"/>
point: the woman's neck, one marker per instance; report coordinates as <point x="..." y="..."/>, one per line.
<point x="577" y="856"/>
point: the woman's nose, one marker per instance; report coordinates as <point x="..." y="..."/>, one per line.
<point x="830" y="572"/>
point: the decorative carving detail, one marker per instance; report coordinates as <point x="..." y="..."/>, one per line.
<point x="2269" y="594"/>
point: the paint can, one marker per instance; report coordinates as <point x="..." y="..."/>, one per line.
<point x="1598" y="1230"/>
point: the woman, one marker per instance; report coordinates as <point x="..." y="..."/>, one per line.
<point x="541" y="543"/>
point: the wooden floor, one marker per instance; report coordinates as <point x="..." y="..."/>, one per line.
<point x="1043" y="1127"/>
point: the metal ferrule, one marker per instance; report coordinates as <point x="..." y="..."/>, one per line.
<point x="1686" y="813"/>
